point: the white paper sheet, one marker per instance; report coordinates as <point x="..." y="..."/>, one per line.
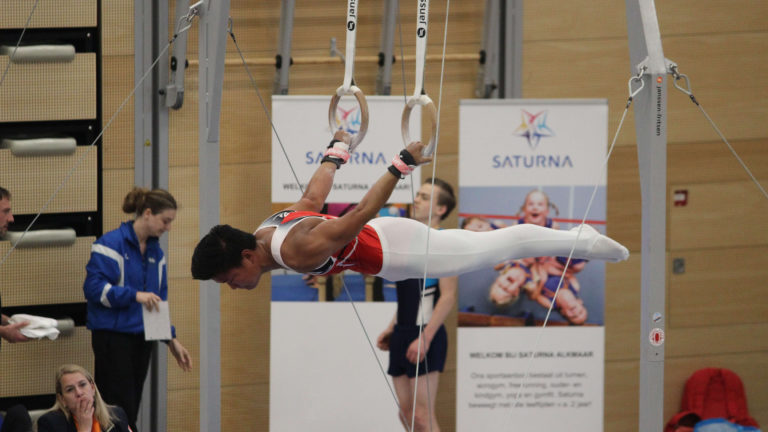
<point x="157" y="323"/>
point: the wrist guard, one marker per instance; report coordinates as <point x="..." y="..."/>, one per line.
<point x="402" y="164"/>
<point x="337" y="152"/>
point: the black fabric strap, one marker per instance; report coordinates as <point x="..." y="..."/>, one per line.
<point x="407" y="158"/>
<point x="395" y="172"/>
<point x="335" y="160"/>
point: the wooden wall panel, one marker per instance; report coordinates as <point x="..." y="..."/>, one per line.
<point x="712" y="162"/>
<point x="556" y="20"/>
<point x="184" y="303"/>
<point x="183" y="185"/>
<point x="33" y="180"/>
<point x="246" y="195"/>
<point x="246" y="407"/>
<point x="567" y="69"/>
<point x="622" y="309"/>
<point x="712" y="16"/>
<point x="30" y="87"/>
<point x="720" y="286"/>
<point x="716" y="216"/>
<point x="183" y="127"/>
<point x="44" y="275"/>
<point x="715" y="339"/>
<point x="183" y="414"/>
<point x="621" y="395"/>
<point x="118" y="138"/>
<point x="245" y="335"/>
<point x="728" y="80"/>
<point x="117" y="184"/>
<point x="47" y="13"/>
<point x="624" y="201"/>
<point x="117" y="20"/>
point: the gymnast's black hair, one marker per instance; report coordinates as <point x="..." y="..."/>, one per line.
<point x="220" y="251"/>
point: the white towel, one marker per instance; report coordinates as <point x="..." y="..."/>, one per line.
<point x="38" y="327"/>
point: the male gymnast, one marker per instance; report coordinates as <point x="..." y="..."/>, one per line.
<point x="301" y="239"/>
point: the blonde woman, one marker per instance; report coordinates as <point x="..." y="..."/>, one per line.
<point x="79" y="406"/>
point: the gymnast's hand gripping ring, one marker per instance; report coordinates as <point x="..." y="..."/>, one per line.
<point x="431" y="111"/>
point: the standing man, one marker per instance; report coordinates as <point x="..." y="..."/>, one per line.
<point x="9" y="332"/>
<point x="432" y="204"/>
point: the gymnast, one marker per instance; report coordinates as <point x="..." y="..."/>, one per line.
<point x="300" y="238"/>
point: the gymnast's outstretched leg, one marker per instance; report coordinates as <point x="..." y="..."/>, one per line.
<point x="457" y="251"/>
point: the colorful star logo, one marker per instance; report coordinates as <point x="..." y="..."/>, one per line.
<point x="349" y="120"/>
<point x="534" y="127"/>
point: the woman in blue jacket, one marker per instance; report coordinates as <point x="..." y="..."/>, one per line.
<point x="127" y="271"/>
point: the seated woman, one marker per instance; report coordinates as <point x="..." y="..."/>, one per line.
<point x="79" y="406"/>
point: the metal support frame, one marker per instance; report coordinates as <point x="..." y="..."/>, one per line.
<point x="174" y="90"/>
<point x="500" y="72"/>
<point x="488" y="69"/>
<point x="386" y="54"/>
<point x="511" y="50"/>
<point x="283" y="58"/>
<point x="651" y="128"/>
<point x="151" y="171"/>
<point x="160" y="170"/>
<point x="142" y="106"/>
<point x="212" y="48"/>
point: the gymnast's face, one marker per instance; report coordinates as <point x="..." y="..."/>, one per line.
<point x="244" y="276"/>
<point x="536" y="208"/>
<point x="6" y="216"/>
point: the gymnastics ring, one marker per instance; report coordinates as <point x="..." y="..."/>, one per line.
<point x="352" y="90"/>
<point x="405" y="124"/>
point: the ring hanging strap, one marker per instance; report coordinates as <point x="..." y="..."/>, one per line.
<point x="419" y="95"/>
<point x="422" y="23"/>
<point x="348" y="87"/>
<point x="349" y="58"/>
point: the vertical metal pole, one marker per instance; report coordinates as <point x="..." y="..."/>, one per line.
<point x="142" y="102"/>
<point x="651" y="128"/>
<point x="142" y="159"/>
<point x="212" y="44"/>
<point x="160" y="167"/>
<point x="513" y="49"/>
<point x="283" y="58"/>
<point x="488" y="68"/>
<point x="388" y="21"/>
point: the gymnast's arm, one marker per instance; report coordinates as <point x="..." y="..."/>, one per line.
<point x="313" y="246"/>
<point x="321" y="182"/>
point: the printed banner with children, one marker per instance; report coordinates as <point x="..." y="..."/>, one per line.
<point x="532" y="162"/>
